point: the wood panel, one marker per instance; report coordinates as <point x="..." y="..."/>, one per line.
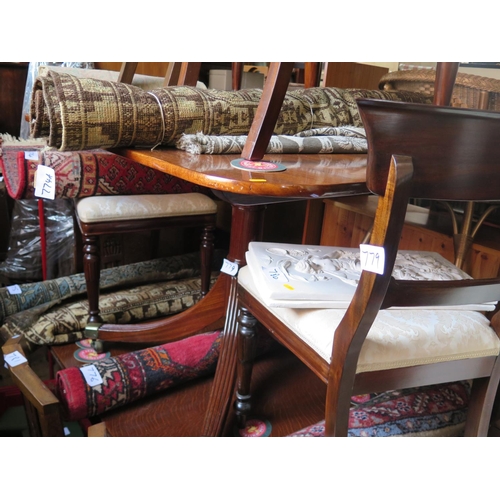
<point x="143" y="68"/>
<point x="347" y="75"/>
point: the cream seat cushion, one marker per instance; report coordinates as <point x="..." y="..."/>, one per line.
<point x="143" y="206"/>
<point x="398" y="337"/>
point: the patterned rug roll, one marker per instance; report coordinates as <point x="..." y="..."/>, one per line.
<point x="138" y="374"/>
<point x="79" y="114"/>
<point x="317" y="141"/>
<point x="56" y="290"/>
<point x="83" y="173"/>
<point x="61" y="324"/>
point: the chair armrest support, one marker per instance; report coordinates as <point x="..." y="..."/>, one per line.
<point x="42" y="407"/>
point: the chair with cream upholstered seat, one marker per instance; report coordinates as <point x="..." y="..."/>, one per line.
<point x="397" y="333"/>
<point x="100" y="215"/>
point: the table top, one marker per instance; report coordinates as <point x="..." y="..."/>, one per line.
<point x="306" y="176"/>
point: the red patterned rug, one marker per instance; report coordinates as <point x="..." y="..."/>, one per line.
<point x="83" y="173"/>
<point x="438" y="410"/>
<point x="134" y="375"/>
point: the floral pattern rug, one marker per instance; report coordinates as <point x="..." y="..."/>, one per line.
<point x="432" y="411"/>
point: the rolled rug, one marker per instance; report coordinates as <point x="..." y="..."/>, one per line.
<point x="138" y="374"/>
<point x="84" y="113"/>
<point x="82" y="173"/>
<point x="324" y="141"/>
<point x="29" y="295"/>
<point x="54" y="324"/>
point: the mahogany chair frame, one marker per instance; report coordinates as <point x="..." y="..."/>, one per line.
<point x="91" y="232"/>
<point x="420" y="151"/>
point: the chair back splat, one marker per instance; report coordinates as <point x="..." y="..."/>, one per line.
<point x="455" y="151"/>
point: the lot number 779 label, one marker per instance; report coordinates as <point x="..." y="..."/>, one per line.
<point x="372" y="258"/>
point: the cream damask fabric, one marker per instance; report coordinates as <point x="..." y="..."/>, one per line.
<point x="398" y="337"/>
<point x="144" y="206"/>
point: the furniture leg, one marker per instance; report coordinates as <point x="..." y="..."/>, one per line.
<point x="237" y="75"/>
<point x="91" y="268"/>
<point x="206" y="254"/>
<point x="273" y="94"/>
<point x="189" y="73"/>
<point x="246" y="226"/>
<point x="246" y="355"/>
<point x="446" y="74"/>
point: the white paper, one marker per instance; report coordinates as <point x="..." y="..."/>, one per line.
<point x="230" y="268"/>
<point x="91" y="375"/>
<point x="372" y="258"/>
<point x="14" y="359"/>
<point x="14" y="289"/>
<point x="45" y="182"/>
<point x="31" y="155"/>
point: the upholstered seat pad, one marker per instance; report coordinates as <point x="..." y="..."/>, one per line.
<point x="398" y="338"/>
<point x="147" y="206"/>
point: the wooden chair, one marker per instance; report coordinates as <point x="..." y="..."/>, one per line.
<point x="102" y="215"/>
<point x="421" y="151"/>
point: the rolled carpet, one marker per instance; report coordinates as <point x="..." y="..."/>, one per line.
<point x="83" y="113"/>
<point x="82" y="173"/>
<point x="53" y="324"/>
<point x="138" y="374"/>
<point x="56" y="290"/>
<point x="322" y="141"/>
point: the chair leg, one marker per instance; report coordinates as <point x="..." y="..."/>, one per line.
<point x="206" y="252"/>
<point x="338" y="402"/>
<point x="246" y="354"/>
<point x="481" y="404"/>
<point x="91" y="269"/>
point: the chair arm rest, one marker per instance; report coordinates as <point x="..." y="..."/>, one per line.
<point x="35" y="392"/>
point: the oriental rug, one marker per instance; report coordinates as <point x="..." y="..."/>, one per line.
<point x="317" y="141"/>
<point x="135" y="375"/>
<point x="77" y="114"/>
<point x="83" y="173"/>
<point x="49" y="324"/>
<point x="27" y="296"/>
<point x="432" y="411"/>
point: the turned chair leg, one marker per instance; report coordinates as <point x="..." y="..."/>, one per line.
<point x="92" y="269"/>
<point x="246" y="354"/>
<point x="206" y="253"/>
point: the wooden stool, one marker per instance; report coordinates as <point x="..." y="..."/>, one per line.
<point x="100" y="215"/>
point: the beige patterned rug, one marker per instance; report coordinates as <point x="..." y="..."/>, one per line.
<point x="84" y="113"/>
